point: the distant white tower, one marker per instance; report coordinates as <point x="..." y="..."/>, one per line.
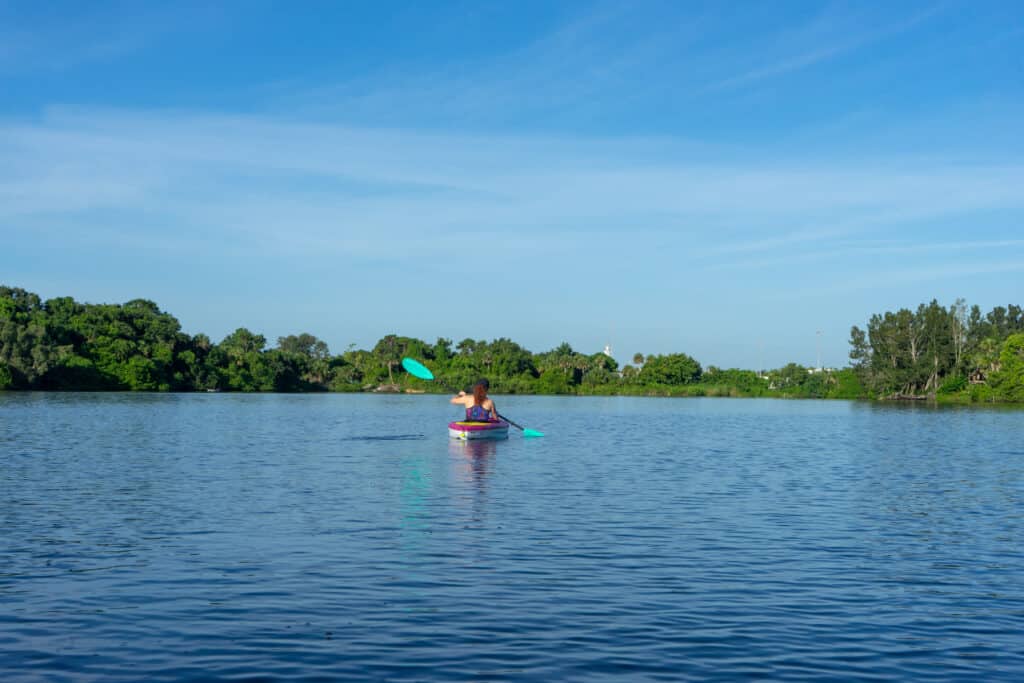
<point x="608" y="350"/>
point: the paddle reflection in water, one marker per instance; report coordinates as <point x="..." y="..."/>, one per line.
<point x="417" y="487"/>
<point x="386" y="437"/>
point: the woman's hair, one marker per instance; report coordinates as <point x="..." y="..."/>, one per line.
<point x="480" y="392"/>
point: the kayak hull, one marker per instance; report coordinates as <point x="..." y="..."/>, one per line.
<point x="471" y="431"/>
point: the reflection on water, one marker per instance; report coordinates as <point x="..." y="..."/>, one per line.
<point x="476" y="456"/>
<point x="473" y="461"/>
<point x="415" y="493"/>
<point x="386" y="437"/>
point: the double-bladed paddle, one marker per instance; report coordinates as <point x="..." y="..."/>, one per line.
<point x="419" y="370"/>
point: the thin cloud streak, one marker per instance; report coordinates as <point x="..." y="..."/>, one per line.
<point x="56" y="41"/>
<point x="828" y="47"/>
<point x="848" y="252"/>
<point x="569" y="64"/>
<point x="573" y="65"/>
<point x="323" y="183"/>
<point x="952" y="271"/>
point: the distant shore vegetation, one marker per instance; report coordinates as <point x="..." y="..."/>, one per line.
<point x="955" y="354"/>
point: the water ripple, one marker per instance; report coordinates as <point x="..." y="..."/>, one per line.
<point x="307" y="538"/>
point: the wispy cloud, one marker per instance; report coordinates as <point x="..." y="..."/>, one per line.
<point x="340" y="188"/>
<point x="955" y="271"/>
<point x="38" y="40"/>
<point x="591" y="58"/>
<point x="861" y="254"/>
<point x="825" y="37"/>
<point x="615" y="59"/>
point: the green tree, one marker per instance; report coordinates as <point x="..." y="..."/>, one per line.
<point x="508" y="359"/>
<point x="304" y="344"/>
<point x="938" y="357"/>
<point x="242" y="342"/>
<point x="27" y="352"/>
<point x="561" y="360"/>
<point x="958" y="319"/>
<point x="553" y="382"/>
<point x="442" y="349"/>
<point x="860" y="351"/>
<point x="1008" y="382"/>
<point x="389" y="353"/>
<point x="791" y="376"/>
<point x="670" y="369"/>
<point x="240" y="362"/>
<point x="604" y="362"/>
<point x="345" y="376"/>
<point x="139" y="373"/>
<point x="984" y="359"/>
<point x="309" y="357"/>
<point x="390" y="350"/>
<point x="26" y="348"/>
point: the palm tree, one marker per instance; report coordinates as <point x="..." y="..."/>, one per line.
<point x="388" y="353"/>
<point x="638" y="359"/>
<point x="581" y="363"/>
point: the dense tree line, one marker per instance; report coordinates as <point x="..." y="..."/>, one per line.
<point x="942" y="352"/>
<point x="61" y="344"/>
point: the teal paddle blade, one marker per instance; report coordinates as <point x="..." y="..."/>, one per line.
<point x="417" y="369"/>
<point x="524" y="430"/>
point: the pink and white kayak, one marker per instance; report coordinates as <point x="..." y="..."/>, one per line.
<point x="478" y="430"/>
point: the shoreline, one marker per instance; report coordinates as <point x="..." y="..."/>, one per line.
<point x="956" y="400"/>
<point x="63" y="345"/>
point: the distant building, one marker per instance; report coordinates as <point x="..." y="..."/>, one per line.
<point x="608" y="350"/>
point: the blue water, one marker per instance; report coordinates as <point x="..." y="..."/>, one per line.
<point x="272" y="537"/>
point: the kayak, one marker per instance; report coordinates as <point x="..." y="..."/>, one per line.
<point x="478" y="430"/>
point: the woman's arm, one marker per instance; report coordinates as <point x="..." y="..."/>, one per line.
<point x="459" y="400"/>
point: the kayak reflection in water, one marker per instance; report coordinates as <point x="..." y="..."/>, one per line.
<point x="479" y="408"/>
<point x="473" y="459"/>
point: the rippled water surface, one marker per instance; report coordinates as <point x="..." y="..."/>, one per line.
<point x="269" y="537"/>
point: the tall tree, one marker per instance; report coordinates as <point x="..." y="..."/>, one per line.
<point x="959" y="331"/>
<point x="390" y="350"/>
<point x="242" y="342"/>
<point x="1009" y="381"/>
<point x="304" y="344"/>
<point x="860" y="350"/>
<point x="672" y="368"/>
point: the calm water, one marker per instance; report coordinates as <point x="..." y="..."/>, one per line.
<point x="227" y="537"/>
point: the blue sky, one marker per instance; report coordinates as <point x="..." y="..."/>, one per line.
<point x="724" y="179"/>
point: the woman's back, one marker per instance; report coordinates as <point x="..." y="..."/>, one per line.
<point x="479" y="407"/>
<point x="480" y="413"/>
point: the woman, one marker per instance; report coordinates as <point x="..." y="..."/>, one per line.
<point x="479" y="408"/>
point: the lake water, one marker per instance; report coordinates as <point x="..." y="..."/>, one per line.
<point x="325" y="537"/>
